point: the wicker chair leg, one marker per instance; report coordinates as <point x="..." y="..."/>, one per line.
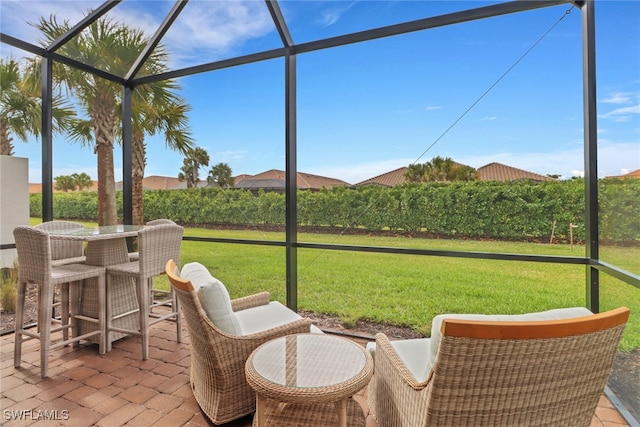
<point x="143" y="300"/>
<point x="44" y="320"/>
<point x="17" y="350"/>
<point x="64" y="309"/>
<point x="175" y="306"/>
<point x="108" y="313"/>
<point x="102" y="314"/>
<point x="74" y="309"/>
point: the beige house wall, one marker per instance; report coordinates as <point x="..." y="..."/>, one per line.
<point x="14" y="202"/>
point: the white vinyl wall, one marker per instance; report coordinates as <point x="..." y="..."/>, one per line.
<point x="14" y="202"/>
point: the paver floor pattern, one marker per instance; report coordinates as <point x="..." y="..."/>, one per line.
<point x="120" y="389"/>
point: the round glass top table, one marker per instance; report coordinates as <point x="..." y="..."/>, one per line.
<point x="308" y="379"/>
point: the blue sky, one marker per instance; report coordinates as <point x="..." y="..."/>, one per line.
<point x="369" y="108"/>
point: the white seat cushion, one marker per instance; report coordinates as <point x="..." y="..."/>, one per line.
<point x="213" y="296"/>
<point x="555" y="314"/>
<point x="413" y="353"/>
<point x="257" y="319"/>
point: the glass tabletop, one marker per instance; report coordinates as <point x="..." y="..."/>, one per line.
<point x="98" y="232"/>
<point x="309" y="360"/>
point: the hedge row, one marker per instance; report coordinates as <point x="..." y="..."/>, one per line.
<point x="497" y="210"/>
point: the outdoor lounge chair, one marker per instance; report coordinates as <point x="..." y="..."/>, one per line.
<point x="218" y="357"/>
<point x="498" y="372"/>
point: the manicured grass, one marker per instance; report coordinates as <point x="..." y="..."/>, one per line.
<point x="408" y="289"/>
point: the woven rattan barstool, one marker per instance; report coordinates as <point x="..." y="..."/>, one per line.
<point x="35" y="267"/>
<point x="157" y="245"/>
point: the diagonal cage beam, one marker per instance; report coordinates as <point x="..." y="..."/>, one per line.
<point x="164" y="27"/>
<point x="280" y="22"/>
<point x="84" y="23"/>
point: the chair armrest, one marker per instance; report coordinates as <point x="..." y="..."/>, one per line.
<point x="249" y="301"/>
<point x="300" y="326"/>
<point x="389" y="364"/>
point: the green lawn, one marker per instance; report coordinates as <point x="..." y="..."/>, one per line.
<point x="409" y="289"/>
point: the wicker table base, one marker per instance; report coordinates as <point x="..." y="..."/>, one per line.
<point x="106" y="246"/>
<point x="312" y="415"/>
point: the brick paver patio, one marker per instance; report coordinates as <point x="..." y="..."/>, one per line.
<point x="119" y="389"/>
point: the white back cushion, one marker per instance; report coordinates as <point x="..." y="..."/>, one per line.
<point x="555" y="314"/>
<point x="213" y="296"/>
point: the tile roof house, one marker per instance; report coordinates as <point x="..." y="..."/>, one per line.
<point x="388" y="179"/>
<point x="155" y="182"/>
<point x="491" y="172"/>
<point x="633" y="174"/>
<point x="499" y="172"/>
<point x="274" y="180"/>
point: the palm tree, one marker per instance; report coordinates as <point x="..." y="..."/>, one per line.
<point x="64" y="183"/>
<point x="221" y="174"/>
<point x="114" y="48"/>
<point x="465" y="173"/>
<point x="415" y="172"/>
<point x="156" y="109"/>
<point x="82" y="180"/>
<point x="440" y="169"/>
<point x="20" y="111"/>
<point x="101" y="46"/>
<point x="196" y="158"/>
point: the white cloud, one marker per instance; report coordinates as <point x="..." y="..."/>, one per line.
<point x="16" y="16"/>
<point x="623" y="114"/>
<point x="204" y="29"/>
<point x="433" y="107"/>
<point x="330" y="16"/>
<point x="618" y="98"/>
<point x="216" y="27"/>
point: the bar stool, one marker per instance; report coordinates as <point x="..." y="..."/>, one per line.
<point x="134" y="256"/>
<point x="35" y="267"/>
<point x="64" y="251"/>
<point x="157" y="245"/>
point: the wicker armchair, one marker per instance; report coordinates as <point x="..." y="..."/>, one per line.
<point x="218" y="358"/>
<point x="545" y="372"/>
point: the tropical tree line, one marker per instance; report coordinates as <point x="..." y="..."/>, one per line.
<point x="520" y="210"/>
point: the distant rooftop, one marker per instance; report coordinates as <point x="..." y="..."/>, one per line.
<point x="491" y="172"/>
